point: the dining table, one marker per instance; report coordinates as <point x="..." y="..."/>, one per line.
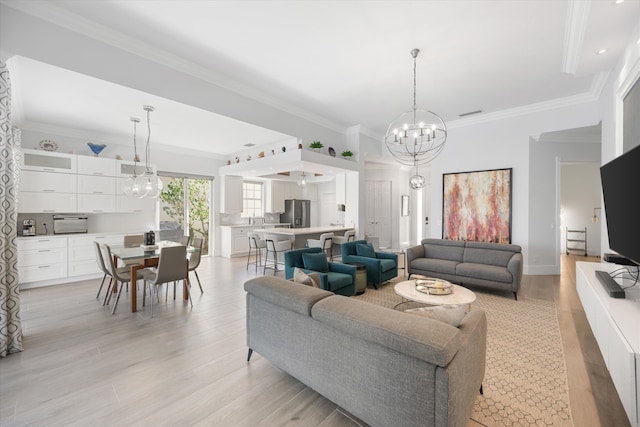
<point x="149" y="257"/>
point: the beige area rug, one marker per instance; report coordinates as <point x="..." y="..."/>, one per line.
<point x="525" y="380"/>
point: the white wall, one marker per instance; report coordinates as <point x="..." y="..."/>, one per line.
<point x="508" y="143"/>
<point x="620" y="81"/>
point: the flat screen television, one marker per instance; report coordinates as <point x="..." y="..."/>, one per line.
<point x="620" y="189"/>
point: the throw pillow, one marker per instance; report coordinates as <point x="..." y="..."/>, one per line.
<point x="300" y="276"/>
<point x="365" y="250"/>
<point x="316" y="261"/>
<point x="451" y="314"/>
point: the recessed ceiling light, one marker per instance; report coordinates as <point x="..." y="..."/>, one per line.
<point x="601" y="51"/>
<point x="619" y="1"/>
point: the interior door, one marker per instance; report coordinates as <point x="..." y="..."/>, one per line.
<point x="378" y="211"/>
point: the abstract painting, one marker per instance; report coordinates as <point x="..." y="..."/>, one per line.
<point x="476" y="206"/>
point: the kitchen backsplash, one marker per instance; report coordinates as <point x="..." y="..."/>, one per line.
<point x="238" y="219"/>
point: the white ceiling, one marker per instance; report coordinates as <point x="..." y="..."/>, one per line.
<point x="345" y="61"/>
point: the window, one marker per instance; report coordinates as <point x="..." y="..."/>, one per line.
<point x="252" y="192"/>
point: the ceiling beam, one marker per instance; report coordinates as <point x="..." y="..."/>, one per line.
<point x="575" y="27"/>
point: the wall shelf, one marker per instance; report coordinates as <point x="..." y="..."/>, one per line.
<point x="576" y="240"/>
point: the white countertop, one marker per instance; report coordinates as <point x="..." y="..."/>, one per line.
<point x="304" y="230"/>
<point x="106" y="233"/>
<point x="256" y="225"/>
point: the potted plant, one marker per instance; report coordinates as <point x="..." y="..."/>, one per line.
<point x="316" y="145"/>
<point x="346" y="154"/>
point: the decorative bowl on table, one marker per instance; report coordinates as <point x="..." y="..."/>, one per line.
<point x="96" y="148"/>
<point x="149" y="247"/>
<point x="434" y="286"/>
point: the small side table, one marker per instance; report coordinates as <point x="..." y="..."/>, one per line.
<point x="361" y="277"/>
<point x="402" y="257"/>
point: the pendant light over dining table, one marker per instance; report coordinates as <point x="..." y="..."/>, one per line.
<point x="148" y="184"/>
<point x="417" y="136"/>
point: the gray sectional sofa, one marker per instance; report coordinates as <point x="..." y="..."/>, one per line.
<point x="491" y="265"/>
<point x="387" y="367"/>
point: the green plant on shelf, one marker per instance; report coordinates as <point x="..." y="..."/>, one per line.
<point x="316" y="145"/>
<point x="346" y="153"/>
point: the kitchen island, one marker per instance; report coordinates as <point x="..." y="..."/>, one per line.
<point x="299" y="236"/>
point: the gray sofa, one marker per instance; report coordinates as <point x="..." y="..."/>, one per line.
<point x="387" y="367"/>
<point x="491" y="265"/>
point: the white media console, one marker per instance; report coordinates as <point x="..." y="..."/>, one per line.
<point x="615" y="324"/>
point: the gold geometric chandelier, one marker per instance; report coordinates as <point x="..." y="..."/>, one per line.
<point x="417" y="136"/>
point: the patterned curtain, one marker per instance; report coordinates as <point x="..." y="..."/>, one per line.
<point x="10" y="152"/>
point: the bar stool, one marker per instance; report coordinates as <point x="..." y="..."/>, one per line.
<point x="256" y="244"/>
<point x="275" y="247"/>
<point x="349" y="236"/>
<point x="325" y="242"/>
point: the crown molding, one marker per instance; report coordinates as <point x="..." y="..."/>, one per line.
<point x="17" y="107"/>
<point x="56" y="15"/>
<point x="524" y="110"/>
<point x="575" y="27"/>
<point x="571" y="139"/>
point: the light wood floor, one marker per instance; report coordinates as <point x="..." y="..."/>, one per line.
<point x="82" y="366"/>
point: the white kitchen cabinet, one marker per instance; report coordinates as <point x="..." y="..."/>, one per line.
<point x="96" y="193"/>
<point x="233" y="194"/>
<point x="96" y="203"/>
<point x="98" y="166"/>
<point x="130" y="203"/>
<point x="292" y="191"/>
<point x="278" y="189"/>
<point x="49" y="182"/>
<point x="48" y="189"/>
<point x="125" y="168"/>
<point x="235" y="240"/>
<point x="32" y="202"/>
<point x="81" y="252"/>
<point x="42" y="258"/>
<point x="88" y="184"/>
<point x="134" y="204"/>
<point x="48" y="161"/>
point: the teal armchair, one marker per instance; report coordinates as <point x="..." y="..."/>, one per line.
<point x="381" y="266"/>
<point x="335" y="277"/>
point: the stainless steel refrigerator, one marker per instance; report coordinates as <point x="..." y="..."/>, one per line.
<point x="296" y="213"/>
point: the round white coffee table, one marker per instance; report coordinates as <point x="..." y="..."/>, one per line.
<point x="459" y="296"/>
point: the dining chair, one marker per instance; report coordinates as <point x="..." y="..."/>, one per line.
<point x="133" y="241"/>
<point x="103" y="267"/>
<point x="256" y="244"/>
<point x="275" y="247"/>
<point x="122" y="275"/>
<point x="325" y="242"/>
<point x="172" y="267"/>
<point x="194" y="261"/>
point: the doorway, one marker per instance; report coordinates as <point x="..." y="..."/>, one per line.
<point x="580" y="209"/>
<point x="184" y="208"/>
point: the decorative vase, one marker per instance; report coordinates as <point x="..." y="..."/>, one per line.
<point x="96" y="148"/>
